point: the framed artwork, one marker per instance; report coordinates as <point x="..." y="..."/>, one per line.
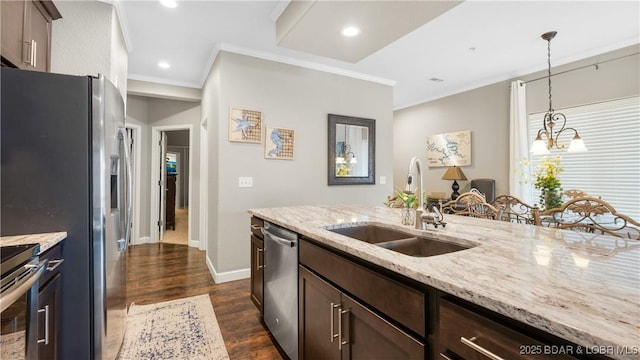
<point x="449" y="149"/>
<point x="245" y="125"/>
<point x="279" y="143"/>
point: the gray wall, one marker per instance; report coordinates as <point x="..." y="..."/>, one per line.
<point x="148" y="112"/>
<point x="485" y="111"/>
<point x="88" y="41"/>
<point x="291" y="97"/>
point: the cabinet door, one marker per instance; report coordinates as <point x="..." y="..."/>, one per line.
<point x="13" y="22"/>
<point x="318" y="318"/>
<point x="368" y="336"/>
<point x="465" y="334"/>
<point x="257" y="272"/>
<point x="48" y="321"/>
<point x="40" y="34"/>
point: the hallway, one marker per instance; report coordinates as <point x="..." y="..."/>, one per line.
<point x="179" y="234"/>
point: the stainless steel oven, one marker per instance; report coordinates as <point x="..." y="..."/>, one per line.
<point x="20" y="269"/>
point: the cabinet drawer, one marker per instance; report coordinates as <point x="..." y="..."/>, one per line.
<point x="256" y="226"/>
<point x="397" y="301"/>
<point x="466" y="334"/>
<point x="54" y="255"/>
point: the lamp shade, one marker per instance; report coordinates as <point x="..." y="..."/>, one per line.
<point x="454" y="173"/>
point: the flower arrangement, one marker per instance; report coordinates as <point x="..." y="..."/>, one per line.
<point x="546" y="180"/>
<point x="409" y="200"/>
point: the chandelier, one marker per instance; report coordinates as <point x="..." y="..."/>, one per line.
<point x="554" y="123"/>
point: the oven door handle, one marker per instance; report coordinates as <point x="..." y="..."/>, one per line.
<point x="21" y="288"/>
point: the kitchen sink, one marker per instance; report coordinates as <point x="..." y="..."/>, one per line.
<point x="399" y="241"/>
<point x="372" y="234"/>
<point x="421" y="247"/>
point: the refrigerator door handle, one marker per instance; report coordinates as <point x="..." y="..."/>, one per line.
<point x="129" y="184"/>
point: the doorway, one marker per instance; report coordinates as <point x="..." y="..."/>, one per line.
<point x="171" y="181"/>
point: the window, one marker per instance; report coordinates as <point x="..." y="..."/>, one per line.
<point x="610" y="168"/>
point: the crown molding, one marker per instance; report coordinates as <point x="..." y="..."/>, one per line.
<point x="301" y="63"/>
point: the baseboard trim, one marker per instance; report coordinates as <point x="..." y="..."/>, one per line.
<point x="194" y="243"/>
<point x="219" y="278"/>
<point x="143" y="240"/>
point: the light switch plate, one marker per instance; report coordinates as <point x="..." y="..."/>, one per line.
<point x="245" y="182"/>
<point x="383" y="180"/>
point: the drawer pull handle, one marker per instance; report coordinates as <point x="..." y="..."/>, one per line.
<point x="258" y="266"/>
<point x="332" y="307"/>
<point x="55" y="264"/>
<point x="255" y="227"/>
<point x="340" y="341"/>
<point x="35" y="53"/>
<point x="470" y="343"/>
<point x="46" y="325"/>
<point x="445" y="356"/>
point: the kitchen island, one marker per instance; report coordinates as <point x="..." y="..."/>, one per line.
<point x="579" y="287"/>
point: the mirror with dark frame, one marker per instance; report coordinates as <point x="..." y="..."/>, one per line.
<point x="352" y="143"/>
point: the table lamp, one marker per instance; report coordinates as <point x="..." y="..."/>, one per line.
<point x="454" y="173"/>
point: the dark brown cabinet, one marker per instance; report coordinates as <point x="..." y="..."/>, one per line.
<point x="466" y="334"/>
<point x="170" y="208"/>
<point x="49" y="305"/>
<point x="257" y="263"/>
<point x="26" y="33"/>
<point x="48" y="318"/>
<point x="333" y="325"/>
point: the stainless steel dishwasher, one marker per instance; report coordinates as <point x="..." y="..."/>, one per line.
<point x="281" y="286"/>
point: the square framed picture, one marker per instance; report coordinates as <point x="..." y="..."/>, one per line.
<point x="279" y="143"/>
<point x="245" y="125"/>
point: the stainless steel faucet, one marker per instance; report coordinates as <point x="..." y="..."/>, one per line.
<point x="423" y="218"/>
<point x="410" y="187"/>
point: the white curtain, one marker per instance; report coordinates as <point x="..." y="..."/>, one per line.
<point x="519" y="174"/>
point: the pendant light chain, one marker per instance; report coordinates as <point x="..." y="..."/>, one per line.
<point x="549" y="71"/>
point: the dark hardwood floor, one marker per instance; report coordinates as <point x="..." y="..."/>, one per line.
<point x="162" y="272"/>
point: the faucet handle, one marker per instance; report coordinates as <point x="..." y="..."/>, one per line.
<point x="419" y="218"/>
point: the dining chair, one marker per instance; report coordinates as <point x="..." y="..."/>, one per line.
<point x="573" y="193"/>
<point x="471" y="204"/>
<point x="589" y="214"/>
<point x="515" y="210"/>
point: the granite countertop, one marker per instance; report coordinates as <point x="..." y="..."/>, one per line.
<point x="46" y="240"/>
<point x="582" y="287"/>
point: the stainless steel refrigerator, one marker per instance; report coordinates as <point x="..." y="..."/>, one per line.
<point x="65" y="167"/>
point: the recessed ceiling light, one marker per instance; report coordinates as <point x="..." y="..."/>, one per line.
<point x="350" y="31"/>
<point x="169" y="3"/>
<point x="164" y="65"/>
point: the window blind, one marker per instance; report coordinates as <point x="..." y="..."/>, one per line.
<point x="610" y="168"/>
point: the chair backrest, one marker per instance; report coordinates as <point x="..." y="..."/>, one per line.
<point x="470" y="204"/>
<point x="485" y="186"/>
<point x="474" y="190"/>
<point x="515" y="210"/>
<point x="589" y="214"/>
<point x="572" y="194"/>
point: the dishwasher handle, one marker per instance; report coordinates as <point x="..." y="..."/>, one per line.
<point x="280" y="240"/>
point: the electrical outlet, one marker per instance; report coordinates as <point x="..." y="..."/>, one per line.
<point x="245" y="182"/>
<point x="383" y="180"/>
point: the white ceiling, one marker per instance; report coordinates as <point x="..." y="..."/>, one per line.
<point x="474" y="44"/>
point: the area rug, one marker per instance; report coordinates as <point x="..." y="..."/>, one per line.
<point x="183" y="329"/>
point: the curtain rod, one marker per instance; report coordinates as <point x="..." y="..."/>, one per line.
<point x="580" y="68"/>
